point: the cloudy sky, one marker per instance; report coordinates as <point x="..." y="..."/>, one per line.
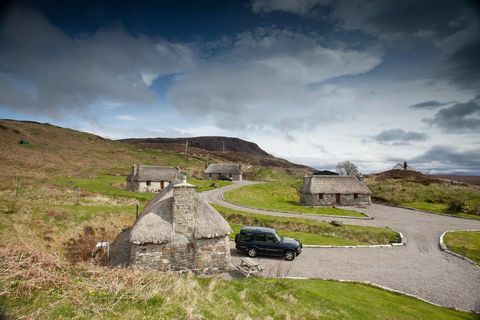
<point x="313" y="81"/>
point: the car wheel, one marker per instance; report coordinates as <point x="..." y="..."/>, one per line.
<point x="252" y="252"/>
<point x="290" y="255"/>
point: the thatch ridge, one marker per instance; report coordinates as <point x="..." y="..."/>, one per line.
<point x="224" y="168"/>
<point x="334" y="184"/>
<point x="154" y="173"/>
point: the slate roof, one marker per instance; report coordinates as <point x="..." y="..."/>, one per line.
<point x="224" y="168"/>
<point x="155" y="223"/>
<point x="154" y="173"/>
<point x="334" y="184"/>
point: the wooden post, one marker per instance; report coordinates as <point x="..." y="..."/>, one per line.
<point x="136" y="213"/>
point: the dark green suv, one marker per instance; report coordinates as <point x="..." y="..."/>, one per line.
<point x="262" y="240"/>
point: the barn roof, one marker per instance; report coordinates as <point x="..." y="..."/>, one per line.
<point x="334" y="184"/>
<point x="154" y="173"/>
<point x="155" y="224"/>
<point x="224" y="168"/>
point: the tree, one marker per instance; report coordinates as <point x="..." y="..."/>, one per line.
<point x="347" y="168"/>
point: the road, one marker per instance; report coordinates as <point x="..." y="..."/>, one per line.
<point x="419" y="268"/>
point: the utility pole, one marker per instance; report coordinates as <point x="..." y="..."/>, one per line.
<point x="186" y="149"/>
<point x="17" y="187"/>
<point x="223" y="146"/>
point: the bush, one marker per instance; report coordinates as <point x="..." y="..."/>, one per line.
<point x="475" y="209"/>
<point x="457" y="205"/>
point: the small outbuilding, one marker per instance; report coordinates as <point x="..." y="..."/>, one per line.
<point x="328" y="190"/>
<point x="151" y="178"/>
<point x="405" y="166"/>
<point x="179" y="231"/>
<point x="218" y="171"/>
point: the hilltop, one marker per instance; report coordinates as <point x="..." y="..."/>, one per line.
<point x="226" y="148"/>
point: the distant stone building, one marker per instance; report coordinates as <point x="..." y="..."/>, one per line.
<point x="331" y="190"/>
<point x="151" y="178"/>
<point x="178" y="230"/>
<point x="217" y="171"/>
<point x="404" y="166"/>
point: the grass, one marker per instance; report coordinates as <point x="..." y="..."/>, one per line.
<point x="280" y="196"/>
<point x="310" y="231"/>
<point x="37" y="285"/>
<point x="113" y="186"/>
<point x="431" y="197"/>
<point x="466" y="243"/>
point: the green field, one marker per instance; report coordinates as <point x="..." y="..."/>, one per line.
<point x="466" y="243"/>
<point x="280" y="196"/>
<point x="311" y="231"/>
<point x="36" y="285"/>
<point x="205" y="185"/>
<point x="431" y="197"/>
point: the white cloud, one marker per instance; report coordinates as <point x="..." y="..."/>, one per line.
<point x="126" y="117"/>
<point x="45" y="71"/>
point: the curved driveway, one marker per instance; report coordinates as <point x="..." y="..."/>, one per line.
<point x="419" y="268"/>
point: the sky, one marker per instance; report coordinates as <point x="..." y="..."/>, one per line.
<point x="316" y="82"/>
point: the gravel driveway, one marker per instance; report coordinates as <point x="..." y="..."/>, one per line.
<point x="419" y="268"/>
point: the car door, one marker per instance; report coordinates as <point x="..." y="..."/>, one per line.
<point x="259" y="242"/>
<point x="272" y="245"/>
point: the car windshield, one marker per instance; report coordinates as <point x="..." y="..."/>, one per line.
<point x="279" y="237"/>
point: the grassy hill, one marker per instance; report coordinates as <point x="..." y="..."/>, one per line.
<point x="428" y="193"/>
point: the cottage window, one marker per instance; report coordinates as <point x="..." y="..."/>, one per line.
<point x="320" y="196"/>
<point x="149" y="183"/>
<point x="355" y="195"/>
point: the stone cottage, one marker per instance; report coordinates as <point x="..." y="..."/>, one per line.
<point x="178" y="231"/>
<point x="217" y="171"/>
<point x="151" y="178"/>
<point x="331" y="190"/>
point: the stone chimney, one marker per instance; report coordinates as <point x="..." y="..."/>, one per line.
<point x="184" y="208"/>
<point x="360" y="177"/>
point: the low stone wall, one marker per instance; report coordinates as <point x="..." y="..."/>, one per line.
<point x="331" y="200"/>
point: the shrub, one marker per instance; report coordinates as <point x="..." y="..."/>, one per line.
<point x="457" y="205"/>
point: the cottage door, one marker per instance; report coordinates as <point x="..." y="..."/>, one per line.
<point x="337" y="198"/>
<point x="162" y="184"/>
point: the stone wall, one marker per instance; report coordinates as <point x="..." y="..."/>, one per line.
<point x="143" y="187"/>
<point x="213" y="254"/>
<point x="216" y="176"/>
<point x="308" y="199"/>
<point x="201" y="254"/>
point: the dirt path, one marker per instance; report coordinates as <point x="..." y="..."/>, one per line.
<point x="419" y="268"/>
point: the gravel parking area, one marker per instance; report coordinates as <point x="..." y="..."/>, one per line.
<point x="420" y="268"/>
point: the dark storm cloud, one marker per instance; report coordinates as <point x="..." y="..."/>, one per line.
<point x="399" y="137"/>
<point x="464" y="67"/>
<point x="45" y="71"/>
<point x="429" y="105"/>
<point x="446" y="159"/>
<point x="459" y="118"/>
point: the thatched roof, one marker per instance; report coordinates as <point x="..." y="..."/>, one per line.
<point x="222" y="168"/>
<point x="334" y="184"/>
<point x="154" y="173"/>
<point x="155" y="224"/>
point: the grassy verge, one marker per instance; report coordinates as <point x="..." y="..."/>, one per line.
<point x="431" y="197"/>
<point x="466" y="243"/>
<point x="205" y="185"/>
<point x="310" y="231"/>
<point x="40" y="286"/>
<point x="280" y="196"/>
